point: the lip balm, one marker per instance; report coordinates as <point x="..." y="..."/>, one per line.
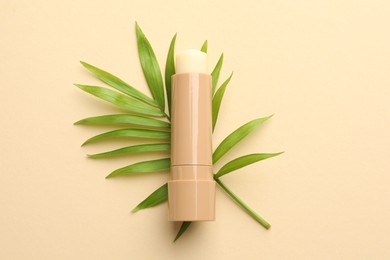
<point x="191" y="188"/>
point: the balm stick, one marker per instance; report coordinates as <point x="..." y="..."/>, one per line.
<point x="191" y="189"/>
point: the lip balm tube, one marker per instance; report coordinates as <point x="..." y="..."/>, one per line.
<point x="191" y="188"/>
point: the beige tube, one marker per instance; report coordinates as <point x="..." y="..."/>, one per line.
<point x="191" y="189"/>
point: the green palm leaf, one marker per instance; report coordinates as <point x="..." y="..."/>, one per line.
<point x="235" y="137"/>
<point x="158" y="196"/>
<point x="243" y="161"/>
<point x="217" y="99"/>
<point x="124" y="119"/>
<point x="150" y="67"/>
<point x="136" y="133"/>
<point x="117" y="83"/>
<point x="182" y="229"/>
<point x="125" y="102"/>
<point x="144" y="107"/>
<point x="143" y="167"/>
<point x="169" y="71"/>
<point x="134" y="149"/>
<point x="204" y="47"/>
<point x="216" y="72"/>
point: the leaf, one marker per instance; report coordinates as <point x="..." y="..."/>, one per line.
<point x="216" y="72"/>
<point x="137" y="133"/>
<point x="158" y="196"/>
<point x="217" y="99"/>
<point x="244" y="206"/>
<point x="143" y="167"/>
<point x="235" y="137"/>
<point x="150" y="68"/>
<point x="124" y="119"/>
<point x="183" y="228"/>
<point x="204" y="47"/>
<point x="134" y="149"/>
<point x="169" y="71"/>
<point x="243" y="161"/>
<point x="117" y="83"/>
<point x="125" y="102"/>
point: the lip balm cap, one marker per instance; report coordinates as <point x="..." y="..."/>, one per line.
<point x="191" y="193"/>
<point x="191" y="61"/>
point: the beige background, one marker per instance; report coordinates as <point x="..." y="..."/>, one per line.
<point x="321" y="66"/>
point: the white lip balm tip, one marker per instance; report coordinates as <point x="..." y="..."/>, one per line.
<point x="191" y="61"/>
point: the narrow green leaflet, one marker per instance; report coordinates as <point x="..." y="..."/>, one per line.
<point x="158" y="196"/>
<point x="243" y="205"/>
<point x="124" y="119"/>
<point x="235" y="137"/>
<point x="243" y="161"/>
<point x="182" y="229"/>
<point x="143" y="167"/>
<point x="217" y="99"/>
<point x="169" y="71"/>
<point x="125" y="102"/>
<point x="117" y="83"/>
<point x="216" y="72"/>
<point x="150" y="68"/>
<point x="134" y="149"/>
<point x="204" y="47"/>
<point x="136" y="133"/>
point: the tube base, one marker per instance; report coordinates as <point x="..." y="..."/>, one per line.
<point x="191" y="200"/>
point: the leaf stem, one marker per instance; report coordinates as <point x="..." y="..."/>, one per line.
<point x="252" y="213"/>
